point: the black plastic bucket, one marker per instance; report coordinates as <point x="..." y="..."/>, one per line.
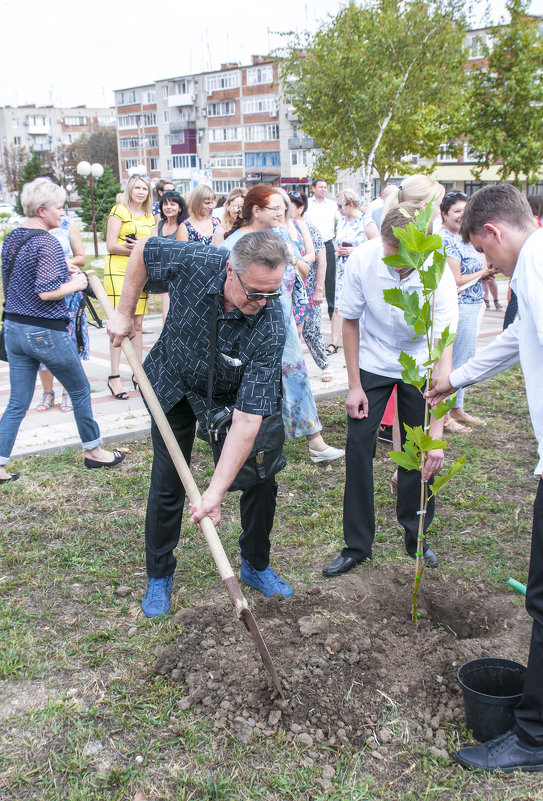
<point x="492" y="688"/>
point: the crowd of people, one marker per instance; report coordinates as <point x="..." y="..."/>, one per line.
<point x="242" y="293"/>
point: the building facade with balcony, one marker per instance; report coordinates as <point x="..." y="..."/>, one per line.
<point x="43" y="129"/>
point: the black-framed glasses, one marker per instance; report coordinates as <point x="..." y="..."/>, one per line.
<point x="259" y="295"/>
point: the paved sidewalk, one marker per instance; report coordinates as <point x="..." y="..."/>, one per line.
<point x="121" y="421"/>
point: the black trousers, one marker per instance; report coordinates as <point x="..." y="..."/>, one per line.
<point x="330" y="279"/>
<point x="358" y="502"/>
<point x="167" y="497"/>
<point x="529" y="713"/>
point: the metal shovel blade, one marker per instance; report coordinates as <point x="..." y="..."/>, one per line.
<point x="206" y="524"/>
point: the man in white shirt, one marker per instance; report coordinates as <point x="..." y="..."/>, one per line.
<point x="322" y="212"/>
<point x="498" y="222"/>
<point x="374" y="334"/>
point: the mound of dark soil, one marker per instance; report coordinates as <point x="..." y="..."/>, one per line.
<point x="354" y="668"/>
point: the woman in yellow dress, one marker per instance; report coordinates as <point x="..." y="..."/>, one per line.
<point x="127" y="221"/>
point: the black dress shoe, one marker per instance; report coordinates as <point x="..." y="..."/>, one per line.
<point x="342" y="565"/>
<point x="431" y="558"/>
<point x="506" y="753"/>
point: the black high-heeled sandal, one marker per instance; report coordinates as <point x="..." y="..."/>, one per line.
<point x="135" y="384"/>
<point x="119" y="395"/>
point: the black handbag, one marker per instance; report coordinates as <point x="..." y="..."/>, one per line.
<point x="266" y="457"/>
<point x="29" y="235"/>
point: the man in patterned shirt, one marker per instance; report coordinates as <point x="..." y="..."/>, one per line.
<point x="250" y="340"/>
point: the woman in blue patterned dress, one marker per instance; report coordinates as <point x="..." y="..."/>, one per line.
<point x="353" y="228"/>
<point x="468" y="267"/>
<point x="265" y="208"/>
<point x="200" y="224"/>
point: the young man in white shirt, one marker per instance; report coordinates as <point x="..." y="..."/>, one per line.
<point x="498" y="222"/>
<point x="322" y="212"/>
<point x="374" y="335"/>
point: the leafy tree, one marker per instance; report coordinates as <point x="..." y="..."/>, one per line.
<point x="14" y="159"/>
<point x="99" y="145"/>
<point x="506" y="93"/>
<point x="31" y="169"/>
<point x="105" y="192"/>
<point x="378" y="83"/>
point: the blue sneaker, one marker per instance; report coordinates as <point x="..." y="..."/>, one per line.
<point x="267" y="581"/>
<point x="156" y="600"/>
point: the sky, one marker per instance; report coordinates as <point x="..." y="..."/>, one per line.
<point x="73" y="53"/>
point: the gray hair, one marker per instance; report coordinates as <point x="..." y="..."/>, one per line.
<point x="349" y="196"/>
<point x="280" y="191"/>
<point x="40" y="192"/>
<point x="264" y="248"/>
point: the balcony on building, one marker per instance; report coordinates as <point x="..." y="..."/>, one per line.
<point x="185" y="99"/>
<point x="301" y="143"/>
<point x="38" y="128"/>
<point x="186" y="124"/>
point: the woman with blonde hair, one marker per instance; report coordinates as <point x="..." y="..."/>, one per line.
<point x="200" y="224"/>
<point x="232" y="209"/>
<point x="127" y="222"/>
<point x="417" y="190"/>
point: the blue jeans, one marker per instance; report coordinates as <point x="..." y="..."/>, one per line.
<point x="465" y="344"/>
<point x="27" y="346"/>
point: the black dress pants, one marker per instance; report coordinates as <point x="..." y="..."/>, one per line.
<point x="529" y="712"/>
<point x="330" y="278"/>
<point x="167" y="497"/>
<point x="358" y="502"/>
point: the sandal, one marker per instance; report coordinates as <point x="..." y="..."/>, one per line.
<point x="497" y="305"/>
<point x="487" y="303"/>
<point x="66" y="406"/>
<point x="44" y="404"/>
<point x="119" y="395"/>
<point x="331" y="350"/>
<point x="326" y="375"/>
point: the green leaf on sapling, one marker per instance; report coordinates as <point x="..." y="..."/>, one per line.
<point x="409" y="458"/>
<point x="422" y="440"/>
<point x="444" y="407"/>
<point x="440" y="481"/>
<point x="447" y="338"/>
<point x="411" y="373"/>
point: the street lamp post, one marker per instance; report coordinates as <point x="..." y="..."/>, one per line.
<point x="93" y="172"/>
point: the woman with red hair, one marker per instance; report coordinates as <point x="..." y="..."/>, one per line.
<point x="264" y="208"/>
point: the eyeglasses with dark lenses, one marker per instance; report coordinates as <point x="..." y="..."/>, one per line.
<point x="295" y="194"/>
<point x="259" y="295"/>
<point x="459" y="195"/>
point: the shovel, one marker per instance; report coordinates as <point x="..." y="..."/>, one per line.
<point x="210" y="533"/>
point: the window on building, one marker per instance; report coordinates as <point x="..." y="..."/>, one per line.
<point x="229" y="134"/>
<point x="223" y="80"/>
<point x="75" y="121"/>
<point x="16" y="140"/>
<point x="470" y="154"/>
<point x="38" y="120"/>
<point x="166" y="115"/>
<point x="175" y="139"/>
<point x="165" y="92"/>
<point x="152" y="140"/>
<point x="169" y="165"/>
<point x="260" y="104"/>
<point x="128" y="143"/>
<point x="149" y="96"/>
<point x="256" y="75"/>
<point x="182" y="87"/>
<point x="447" y="153"/>
<point x="475" y="45"/>
<point x="472" y="186"/>
<point x="184" y="162"/>
<point x="127" y="97"/>
<point x="149" y="118"/>
<point x="16" y="122"/>
<point x="153" y="164"/>
<point x="128" y="163"/>
<point x="261" y="133"/>
<point x="226" y="108"/>
<point x="225" y="187"/>
<point x="219" y="160"/>
<point x="299" y="158"/>
<point x="107" y="121"/>
<point x="267" y="158"/>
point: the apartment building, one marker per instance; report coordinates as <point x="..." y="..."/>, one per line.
<point x="42" y="129"/>
<point x="228" y="127"/>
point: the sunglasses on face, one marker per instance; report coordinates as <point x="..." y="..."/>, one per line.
<point x="259" y="295"/>
<point x="459" y="195"/>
